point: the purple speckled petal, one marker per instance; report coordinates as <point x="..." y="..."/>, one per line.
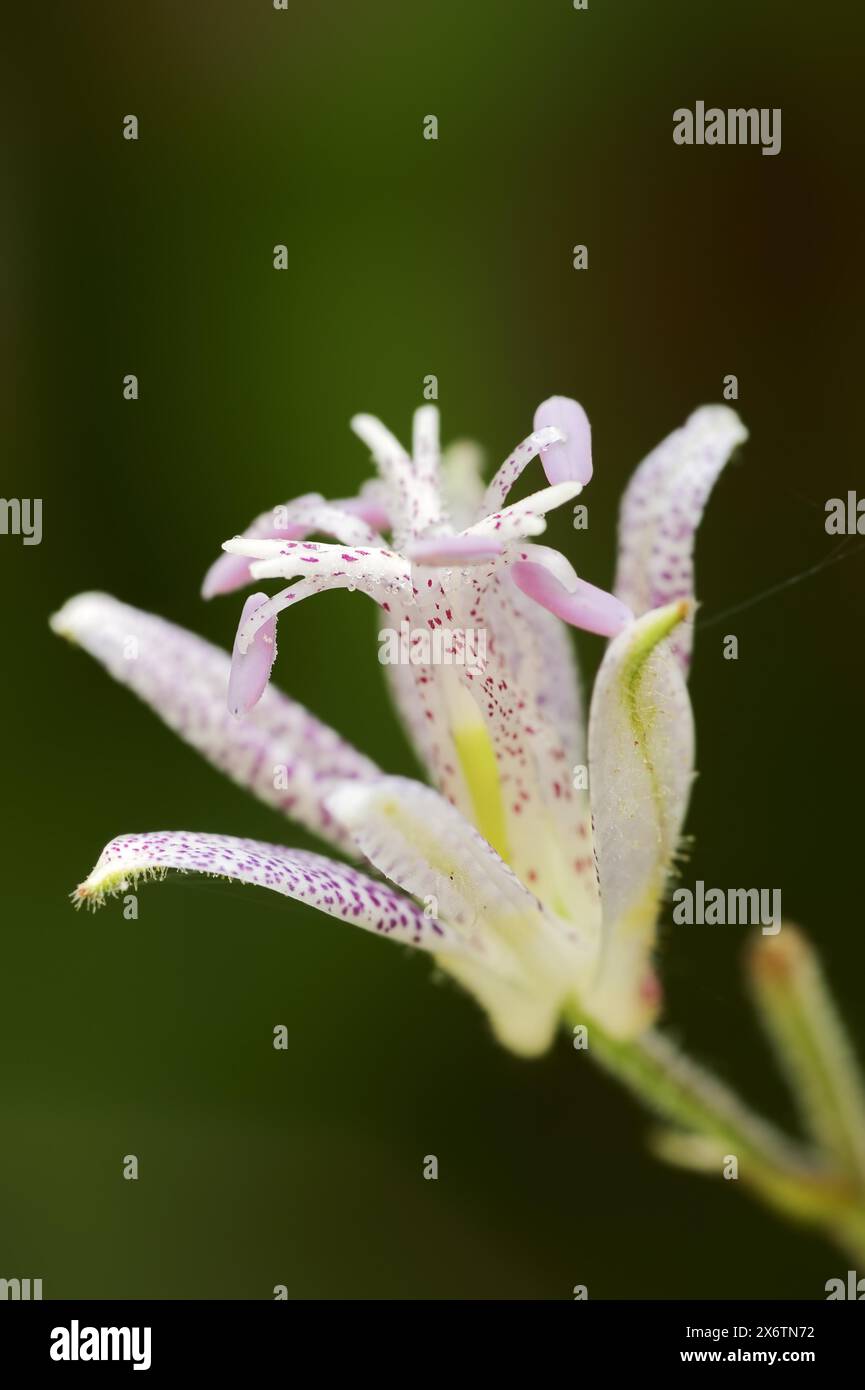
<point x="661" y="511"/>
<point x="586" y="607"/>
<point x="251" y="667"/>
<point x="522" y="706"/>
<point x="570" y="460"/>
<point x="280" y="752"/>
<point x="334" y="888"/>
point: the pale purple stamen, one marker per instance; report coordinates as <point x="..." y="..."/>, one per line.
<point x="251" y="662"/>
<point x="453" y="550"/>
<point x="587" y="607"/>
<point x="570" y="459"/>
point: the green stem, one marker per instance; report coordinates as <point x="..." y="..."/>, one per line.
<point x="812" y="1046"/>
<point x="789" y="1177"/>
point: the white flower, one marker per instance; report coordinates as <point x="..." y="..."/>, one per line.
<point x="540" y="896"/>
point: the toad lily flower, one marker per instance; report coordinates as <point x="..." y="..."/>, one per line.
<point x="533" y="885"/>
<point x="537" y="895"/>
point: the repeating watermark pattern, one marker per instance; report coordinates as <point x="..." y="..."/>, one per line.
<point x="76" y="1343"/>
<point x="20" y="1290"/>
<point x="731" y="907"/>
<point x="735" y="126"/>
<point x="437" y="646"/>
<point x="845" y="517"/>
<point x="22" y="516"/>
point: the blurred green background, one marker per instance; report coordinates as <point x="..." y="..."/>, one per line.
<point x="407" y="257"/>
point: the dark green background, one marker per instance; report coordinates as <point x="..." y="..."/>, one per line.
<point x="407" y="257"/>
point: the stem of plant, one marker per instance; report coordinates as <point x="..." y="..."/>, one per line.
<point x="790" y="1177"/>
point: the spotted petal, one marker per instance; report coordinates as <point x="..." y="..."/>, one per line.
<point x="641" y="757"/>
<point x="279" y="751"/>
<point x="494" y="738"/>
<point x="336" y="889"/>
<point x="662" y="508"/>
